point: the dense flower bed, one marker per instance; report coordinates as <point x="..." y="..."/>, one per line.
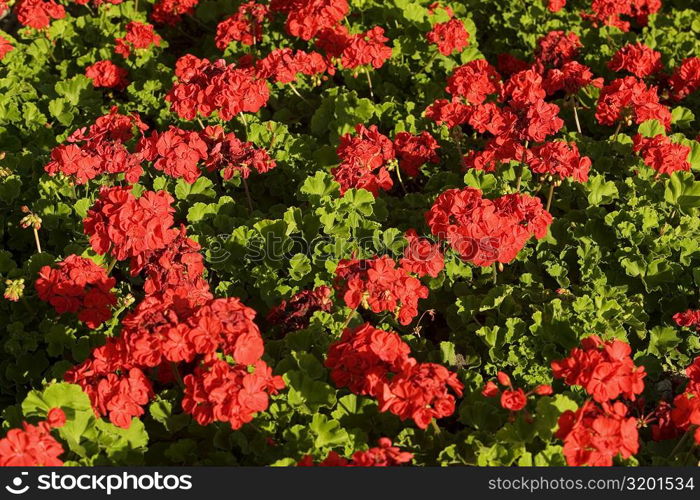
<point x="349" y="232"/>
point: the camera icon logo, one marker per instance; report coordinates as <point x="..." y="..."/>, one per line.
<point x="16" y="488"/>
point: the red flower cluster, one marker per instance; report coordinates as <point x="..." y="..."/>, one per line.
<point x="604" y="369"/>
<point x="413" y="151"/>
<point x="283" y="65"/>
<point x="527" y="117"/>
<point x="205" y="87"/>
<point x="448" y="112"/>
<point x="125" y="227"/>
<point x="79" y="286"/>
<point x="99" y="149"/>
<point x="38" y="14"/>
<point x="217" y="391"/>
<point x="107" y="74"/>
<point x="175" y="152"/>
<point x="377" y="363"/>
<point x="178" y="153"/>
<point x="571" y="77"/>
<point x="364" y="157"/>
<point x="138" y="36"/>
<point x="174" y="326"/>
<point x="449" y="36"/>
<point x="557" y="48"/>
<point x="486" y="231"/>
<point x="366" y="49"/>
<point x="600" y="429"/>
<point x="662" y="154"/>
<point x="420" y="391"/>
<point x="594" y="434"/>
<point x="678" y="418"/>
<point x="305" y="18"/>
<point x="638" y="59"/>
<point x="556" y="5"/>
<point x="384" y="455"/>
<point x="378" y="285"/>
<point x="511" y="398"/>
<point x="629" y="100"/>
<point x="295" y="313"/>
<point x="685" y="79"/>
<point x="421" y="256"/>
<point x="560" y="160"/>
<point x="245" y="26"/>
<point x="688" y="318"/>
<point x="154" y="335"/>
<point x="170" y="12"/>
<point x="474" y="81"/>
<point x="364" y="357"/>
<point x="228" y="153"/>
<point x="178" y="321"/>
<point x="5" y="47"/>
<point x="33" y="445"/>
<point x="609" y="12"/>
<point x="177" y="266"/>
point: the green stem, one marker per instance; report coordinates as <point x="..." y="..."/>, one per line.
<point x="369" y="82"/>
<point x="176" y="372"/>
<point x="521" y="167"/>
<point x="247" y="195"/>
<point x="578" y="124"/>
<point x="36" y="240"/>
<point x="111" y="265"/>
<point x="398" y="175"/>
<point x="294" y="89"/>
<point x="617" y="131"/>
<point x="347" y="320"/>
<point x="550" y="195"/>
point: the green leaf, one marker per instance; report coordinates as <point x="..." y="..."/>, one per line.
<point x="327" y="432"/>
<point x="320" y="185"/>
<point x="601" y="192"/>
<point x="682" y="117"/>
<point x="662" y="340"/>
<point x="683" y="190"/>
<point x="299" y="266"/>
<point x="651" y="128"/>
<point x="202" y="188"/>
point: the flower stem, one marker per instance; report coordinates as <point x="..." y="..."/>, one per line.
<point x="550" y="195"/>
<point x="578" y="124"/>
<point x="36" y="240"/>
<point x="398" y="175"/>
<point x="617" y="130"/>
<point x="111" y="265"/>
<point x="369" y="82"/>
<point x="347" y="320"/>
<point x="435" y="426"/>
<point x="176" y="372"/>
<point x="521" y="167"/>
<point x="247" y="195"/>
<point x="294" y="89"/>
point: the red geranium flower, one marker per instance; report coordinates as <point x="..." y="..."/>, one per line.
<point x="107" y="74"/>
